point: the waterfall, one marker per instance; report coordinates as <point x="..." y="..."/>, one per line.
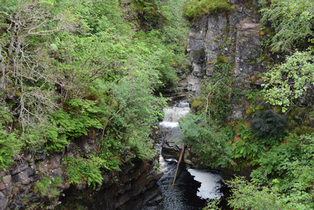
<point x="172" y="115"/>
<point x="193" y="186"/>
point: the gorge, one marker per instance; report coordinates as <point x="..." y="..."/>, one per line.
<point x="97" y="97"/>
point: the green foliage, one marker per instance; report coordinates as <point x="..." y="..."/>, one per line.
<point x="287" y="17"/>
<point x="76" y="66"/>
<point x="246" y="195"/>
<point x="149" y="12"/>
<point x="276" y="162"/>
<point x="230" y="132"/>
<point x="48" y="187"/>
<point x="10" y="143"/>
<point x="245" y="150"/>
<point x="85" y="170"/>
<point x="206" y="140"/>
<point x="268" y="125"/>
<point x="216" y="94"/>
<point x="250" y="195"/>
<point x="256" y="101"/>
<point x="245" y="133"/>
<point x="289" y="80"/>
<point x="196" y="9"/>
<point x="212" y="205"/>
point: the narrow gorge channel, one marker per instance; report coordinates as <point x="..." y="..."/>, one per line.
<point x="193" y="187"/>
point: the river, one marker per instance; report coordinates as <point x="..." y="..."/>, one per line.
<point x="193" y="187"/>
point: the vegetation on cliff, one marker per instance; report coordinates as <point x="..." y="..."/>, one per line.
<point x="195" y="9"/>
<point x="70" y="68"/>
<point x="276" y="139"/>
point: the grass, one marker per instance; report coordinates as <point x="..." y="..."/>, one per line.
<point x="196" y="9"/>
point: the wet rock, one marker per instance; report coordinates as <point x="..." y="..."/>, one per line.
<point x="22" y="178"/>
<point x="234" y="37"/>
<point x="19" y="168"/>
<point x="57" y="172"/>
<point x="81" y="186"/>
<point x="187" y="157"/>
<point x="88" y="143"/>
<point x="5" y="183"/>
<point x="3" y="201"/>
<point x="53" y="162"/>
<point x="170" y="150"/>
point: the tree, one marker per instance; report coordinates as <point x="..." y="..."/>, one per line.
<point x="292" y="21"/>
<point x="289" y="80"/>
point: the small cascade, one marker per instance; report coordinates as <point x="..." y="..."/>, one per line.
<point x="172" y="115"/>
<point x="193" y="187"/>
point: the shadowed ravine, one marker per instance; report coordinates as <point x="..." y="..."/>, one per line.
<point x="193" y="187"/>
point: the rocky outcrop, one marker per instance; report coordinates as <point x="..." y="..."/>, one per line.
<point x="233" y="38"/>
<point x="123" y="189"/>
<point x="131" y="188"/>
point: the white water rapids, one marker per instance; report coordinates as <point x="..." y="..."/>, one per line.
<point x="193" y="186"/>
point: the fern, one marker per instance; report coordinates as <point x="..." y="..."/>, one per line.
<point x="80" y="170"/>
<point x="243" y="149"/>
<point x="292" y="21"/>
<point x="268" y="125"/>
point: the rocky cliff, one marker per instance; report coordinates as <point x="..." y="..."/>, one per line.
<point x="130" y="188"/>
<point x="232" y="37"/>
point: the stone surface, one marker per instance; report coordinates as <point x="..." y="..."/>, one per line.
<point x="3" y="201"/>
<point x="5" y="183"/>
<point x="19" y="168"/>
<point x="236" y="36"/>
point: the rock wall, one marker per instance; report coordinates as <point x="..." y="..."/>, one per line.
<point x="234" y="36"/>
<point x="119" y="190"/>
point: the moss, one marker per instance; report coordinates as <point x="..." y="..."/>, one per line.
<point x="196" y="103"/>
<point x="256" y="77"/>
<point x="227" y="29"/>
<point x="196" y="9"/>
<point x="221" y="59"/>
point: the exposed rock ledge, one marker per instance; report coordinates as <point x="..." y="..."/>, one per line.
<point x="130" y="188"/>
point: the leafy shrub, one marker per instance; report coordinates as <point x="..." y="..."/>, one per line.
<point x="277" y="160"/>
<point x="251" y="195"/>
<point x="10" y="143"/>
<point x="48" y="187"/>
<point x="245" y="133"/>
<point x="148" y="12"/>
<point x="216" y="94"/>
<point x="80" y="170"/>
<point x="290" y="80"/>
<point x="288" y="169"/>
<point x="287" y="17"/>
<point x="196" y="9"/>
<point x="206" y="140"/>
<point x="268" y="124"/>
<point x="243" y="149"/>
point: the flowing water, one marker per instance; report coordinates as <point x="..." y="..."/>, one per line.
<point x="193" y="186"/>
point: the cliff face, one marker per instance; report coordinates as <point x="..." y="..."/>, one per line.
<point x="119" y="190"/>
<point x="234" y="36"/>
